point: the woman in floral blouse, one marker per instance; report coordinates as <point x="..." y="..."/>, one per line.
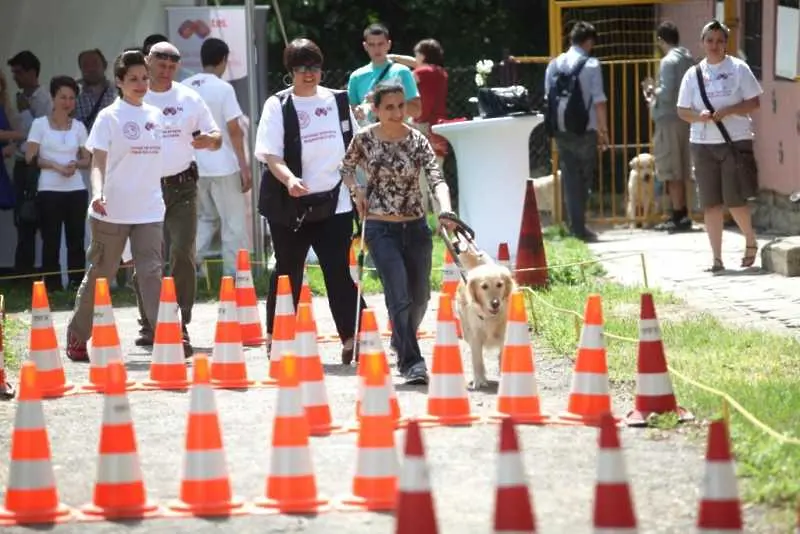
<point x="396" y="232"/>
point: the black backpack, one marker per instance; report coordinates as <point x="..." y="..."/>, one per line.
<point x="565" y="102"/>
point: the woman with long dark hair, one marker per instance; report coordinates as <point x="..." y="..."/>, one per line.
<point x="126" y="200"/>
<point x="395" y="229"/>
<point x="302" y="136"/>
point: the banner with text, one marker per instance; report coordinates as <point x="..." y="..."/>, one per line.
<point x="188" y="27"/>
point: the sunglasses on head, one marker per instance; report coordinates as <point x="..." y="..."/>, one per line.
<point x="302" y="69"/>
<point x="166" y="56"/>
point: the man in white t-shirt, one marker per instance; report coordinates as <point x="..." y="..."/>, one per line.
<point x="224" y="174"/>
<point x="187" y="126"/>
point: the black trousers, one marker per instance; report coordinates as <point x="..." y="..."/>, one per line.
<point x="25" y="255"/>
<point x="331" y="241"/>
<point x="67" y="210"/>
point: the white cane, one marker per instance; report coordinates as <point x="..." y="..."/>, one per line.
<point x="360" y="262"/>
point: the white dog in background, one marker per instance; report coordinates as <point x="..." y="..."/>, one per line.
<point x="641" y="187"/>
<point x="482" y="308"/>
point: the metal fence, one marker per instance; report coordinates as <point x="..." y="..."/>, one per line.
<point x="461" y="87"/>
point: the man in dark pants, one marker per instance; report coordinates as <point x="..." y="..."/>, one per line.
<point x="33" y="101"/>
<point x="577" y="152"/>
<point x="188" y="125"/>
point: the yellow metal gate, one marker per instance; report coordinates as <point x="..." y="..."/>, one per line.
<point x="627" y="51"/>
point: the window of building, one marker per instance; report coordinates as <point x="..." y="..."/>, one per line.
<point x="787" y="33"/>
<point x="751" y="45"/>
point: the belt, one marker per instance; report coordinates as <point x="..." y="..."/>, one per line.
<point x="189" y="175"/>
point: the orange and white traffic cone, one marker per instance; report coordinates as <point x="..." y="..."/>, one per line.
<point x="43" y="347"/>
<point x="312" y="376"/>
<point x="613" y="504"/>
<point x="590" y="395"/>
<point x="291" y="485"/>
<point x="104" y="346"/>
<point x="306" y="298"/>
<point x="518" y="393"/>
<point x="513" y="506"/>
<point x="205" y="483"/>
<point x="282" y="327"/>
<point x="247" y="302"/>
<point x="353" y="262"/>
<point x="228" y="366"/>
<point x="654" y="393"/>
<point x="375" y="479"/>
<point x="119" y="491"/>
<point x="369" y="341"/>
<point x="415" y="509"/>
<point x="720" y="508"/>
<point x="7" y="391"/>
<point x="448" y="403"/>
<point x="168" y="363"/>
<point x="450" y="280"/>
<point x="31" y="496"/>
<point x="504" y="256"/>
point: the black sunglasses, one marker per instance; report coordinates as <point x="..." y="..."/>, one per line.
<point x="166" y="56"/>
<point x="302" y="69"/>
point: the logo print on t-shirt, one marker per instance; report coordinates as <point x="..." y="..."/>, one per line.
<point x="319" y="112"/>
<point x="149" y="126"/>
<point x="169" y="110"/>
<point x="304" y="119"/>
<point x="198" y="83"/>
<point x="131" y="130"/>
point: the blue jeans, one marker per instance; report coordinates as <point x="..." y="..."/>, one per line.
<point x="577" y="161"/>
<point x="402" y="254"/>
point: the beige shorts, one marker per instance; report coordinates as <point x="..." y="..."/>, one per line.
<point x="671" y="150"/>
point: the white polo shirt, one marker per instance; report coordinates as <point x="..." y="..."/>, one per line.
<point x="183" y="112"/>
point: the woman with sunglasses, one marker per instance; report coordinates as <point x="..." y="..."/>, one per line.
<point x="302" y="136"/>
<point x="126" y="200"/>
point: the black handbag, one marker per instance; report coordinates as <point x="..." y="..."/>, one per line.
<point x="28" y="176"/>
<point x="503" y="101"/>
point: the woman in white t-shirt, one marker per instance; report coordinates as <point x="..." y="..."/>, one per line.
<point x="725" y="170"/>
<point x="125" y="142"/>
<point x="301" y="194"/>
<point x="57" y="144"/>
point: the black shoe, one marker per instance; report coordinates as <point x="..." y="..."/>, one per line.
<point x="684" y="224"/>
<point x="417" y="375"/>
<point x="587" y="236"/>
<point x="145" y="339"/>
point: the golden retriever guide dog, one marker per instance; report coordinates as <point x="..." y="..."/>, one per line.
<point x="641" y="188"/>
<point x="482" y="302"/>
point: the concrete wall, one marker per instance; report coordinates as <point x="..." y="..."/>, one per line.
<point x="777" y="123"/>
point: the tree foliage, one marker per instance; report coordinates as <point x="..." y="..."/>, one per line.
<point x="469" y="30"/>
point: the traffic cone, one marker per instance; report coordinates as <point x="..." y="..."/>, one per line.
<point x="450" y="281"/>
<point x="50" y="378"/>
<point x="530" y="249"/>
<point x="513" y="506"/>
<point x="247" y="302"/>
<point x="306" y="298"/>
<point x="205" y="483"/>
<point x="31" y="496"/>
<point x="448" y="403"/>
<point x="504" y="256"/>
<point x="720" y="509"/>
<point x="613" y="505"/>
<point x="312" y="376"/>
<point x="518" y="393"/>
<point x="353" y="262"/>
<point x="168" y="363"/>
<point x="415" y="510"/>
<point x="119" y="491"/>
<point x="590" y="397"/>
<point x="369" y="342"/>
<point x="291" y="485"/>
<point x="104" y="346"/>
<point x="282" y="327"/>
<point x="375" y="480"/>
<point x="7" y="391"/>
<point x="654" y="394"/>
<point x="228" y="366"/>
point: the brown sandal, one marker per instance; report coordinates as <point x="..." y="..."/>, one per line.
<point x="716" y="267"/>
<point x="749" y="259"/>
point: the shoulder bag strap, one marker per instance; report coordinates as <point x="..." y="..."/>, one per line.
<point x="701" y="86"/>
<point x="96" y="109"/>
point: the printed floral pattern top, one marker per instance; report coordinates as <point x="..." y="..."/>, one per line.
<point x="392" y="169"/>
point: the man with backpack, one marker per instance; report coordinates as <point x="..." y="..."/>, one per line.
<point x="576" y="118"/>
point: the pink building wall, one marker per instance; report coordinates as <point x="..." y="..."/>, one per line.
<point x="777" y="123"/>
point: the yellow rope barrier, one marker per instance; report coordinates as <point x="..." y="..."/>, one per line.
<point x="727" y="401"/>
